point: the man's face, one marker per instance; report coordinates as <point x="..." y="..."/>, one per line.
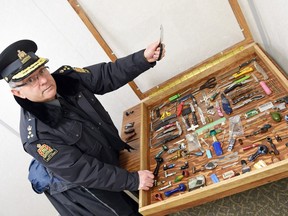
<point x="39" y="86"/>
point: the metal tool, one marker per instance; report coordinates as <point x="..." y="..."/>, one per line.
<point x="201" y="114"/>
<point x="275" y="151"/>
<point x="262" y="150"/>
<point x="265" y="77"/>
<point x="226" y="158"/>
<point x="263" y="129"/>
<point x="234" y="82"/>
<point x="241" y="72"/>
<point x="159" y="161"/>
<point x="216" y="144"/>
<point x="194" y="117"/>
<point x="166" y="174"/>
<point x="196" y="182"/>
<point x="257" y="97"/>
<point x="218" y="108"/>
<point x="229" y="165"/>
<point x="176" y="96"/>
<point x="165" y="187"/>
<point x="164" y="148"/>
<point x="282" y="99"/>
<point x="226" y="105"/>
<point x="263" y="85"/>
<point x="169" y="166"/>
<point x="250" y="147"/>
<point x="165" y="114"/>
<point x="158" y="197"/>
<point x="180" y="188"/>
<point x="202" y="117"/>
<point x="210" y="83"/>
<point x="160" y="42"/>
<point x="179" y="147"/>
<point x="237" y="69"/>
<point x="245" y="167"/>
<point x="170" y="137"/>
<point x="260" y="70"/>
<point x="235" y="85"/>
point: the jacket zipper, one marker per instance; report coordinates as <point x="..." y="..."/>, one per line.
<point x="105" y="204"/>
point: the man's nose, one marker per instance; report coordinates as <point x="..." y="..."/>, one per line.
<point x="41" y="79"/>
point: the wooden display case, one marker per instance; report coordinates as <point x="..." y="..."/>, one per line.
<point x="276" y="164"/>
<point x="221" y="67"/>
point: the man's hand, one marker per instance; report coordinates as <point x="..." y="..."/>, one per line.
<point x="152" y="52"/>
<point x="146" y="179"/>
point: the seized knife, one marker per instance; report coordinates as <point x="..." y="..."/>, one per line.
<point x="160" y="42"/>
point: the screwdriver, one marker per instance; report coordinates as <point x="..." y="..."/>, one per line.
<point x="176" y="96"/>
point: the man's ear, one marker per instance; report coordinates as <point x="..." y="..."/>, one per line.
<point x="18" y="93"/>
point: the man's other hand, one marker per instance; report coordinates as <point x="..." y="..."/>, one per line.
<point x="146" y="179"/>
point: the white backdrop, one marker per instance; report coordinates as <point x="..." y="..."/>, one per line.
<point x="193" y="31"/>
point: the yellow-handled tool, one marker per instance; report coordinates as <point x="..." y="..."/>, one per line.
<point x="241" y="72"/>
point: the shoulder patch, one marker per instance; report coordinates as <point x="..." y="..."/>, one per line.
<point x="81" y="70"/>
<point x="46" y="152"/>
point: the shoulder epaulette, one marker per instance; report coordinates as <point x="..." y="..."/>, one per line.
<point x="67" y="68"/>
<point x="31" y="130"/>
<point x="64" y="68"/>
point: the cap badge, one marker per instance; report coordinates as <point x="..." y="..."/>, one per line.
<point x="46" y="152"/>
<point x="23" y="57"/>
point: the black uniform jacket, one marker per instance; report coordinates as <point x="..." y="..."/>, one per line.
<point x="82" y="147"/>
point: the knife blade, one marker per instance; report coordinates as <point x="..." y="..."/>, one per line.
<point x="160" y="42"/>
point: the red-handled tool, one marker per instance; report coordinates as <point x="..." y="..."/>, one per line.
<point x="180" y="108"/>
<point x="249" y="147"/>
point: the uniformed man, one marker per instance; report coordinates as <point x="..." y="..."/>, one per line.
<point x="71" y="137"/>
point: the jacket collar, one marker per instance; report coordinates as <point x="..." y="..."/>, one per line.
<point x="47" y="113"/>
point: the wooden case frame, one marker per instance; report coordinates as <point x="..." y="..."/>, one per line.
<point x="224" y="188"/>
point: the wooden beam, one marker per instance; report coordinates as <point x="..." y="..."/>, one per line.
<point x="85" y="19"/>
<point x="241" y="21"/>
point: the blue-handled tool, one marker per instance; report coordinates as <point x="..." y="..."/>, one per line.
<point x="181" y="187"/>
<point x="226" y="105"/>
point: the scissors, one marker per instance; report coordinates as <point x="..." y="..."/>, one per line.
<point x="164" y="115"/>
<point x="210" y="83"/>
<point x="160" y="42"/>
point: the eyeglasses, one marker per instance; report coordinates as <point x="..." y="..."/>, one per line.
<point x="33" y="80"/>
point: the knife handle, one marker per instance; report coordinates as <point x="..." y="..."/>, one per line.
<point x="232" y="87"/>
<point x="265" y="87"/>
<point x="161" y="50"/>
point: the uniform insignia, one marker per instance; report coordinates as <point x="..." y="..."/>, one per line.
<point x="46" y="152"/>
<point x="64" y="68"/>
<point x="30" y="133"/>
<point x="23" y="57"/>
<point x="81" y="70"/>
